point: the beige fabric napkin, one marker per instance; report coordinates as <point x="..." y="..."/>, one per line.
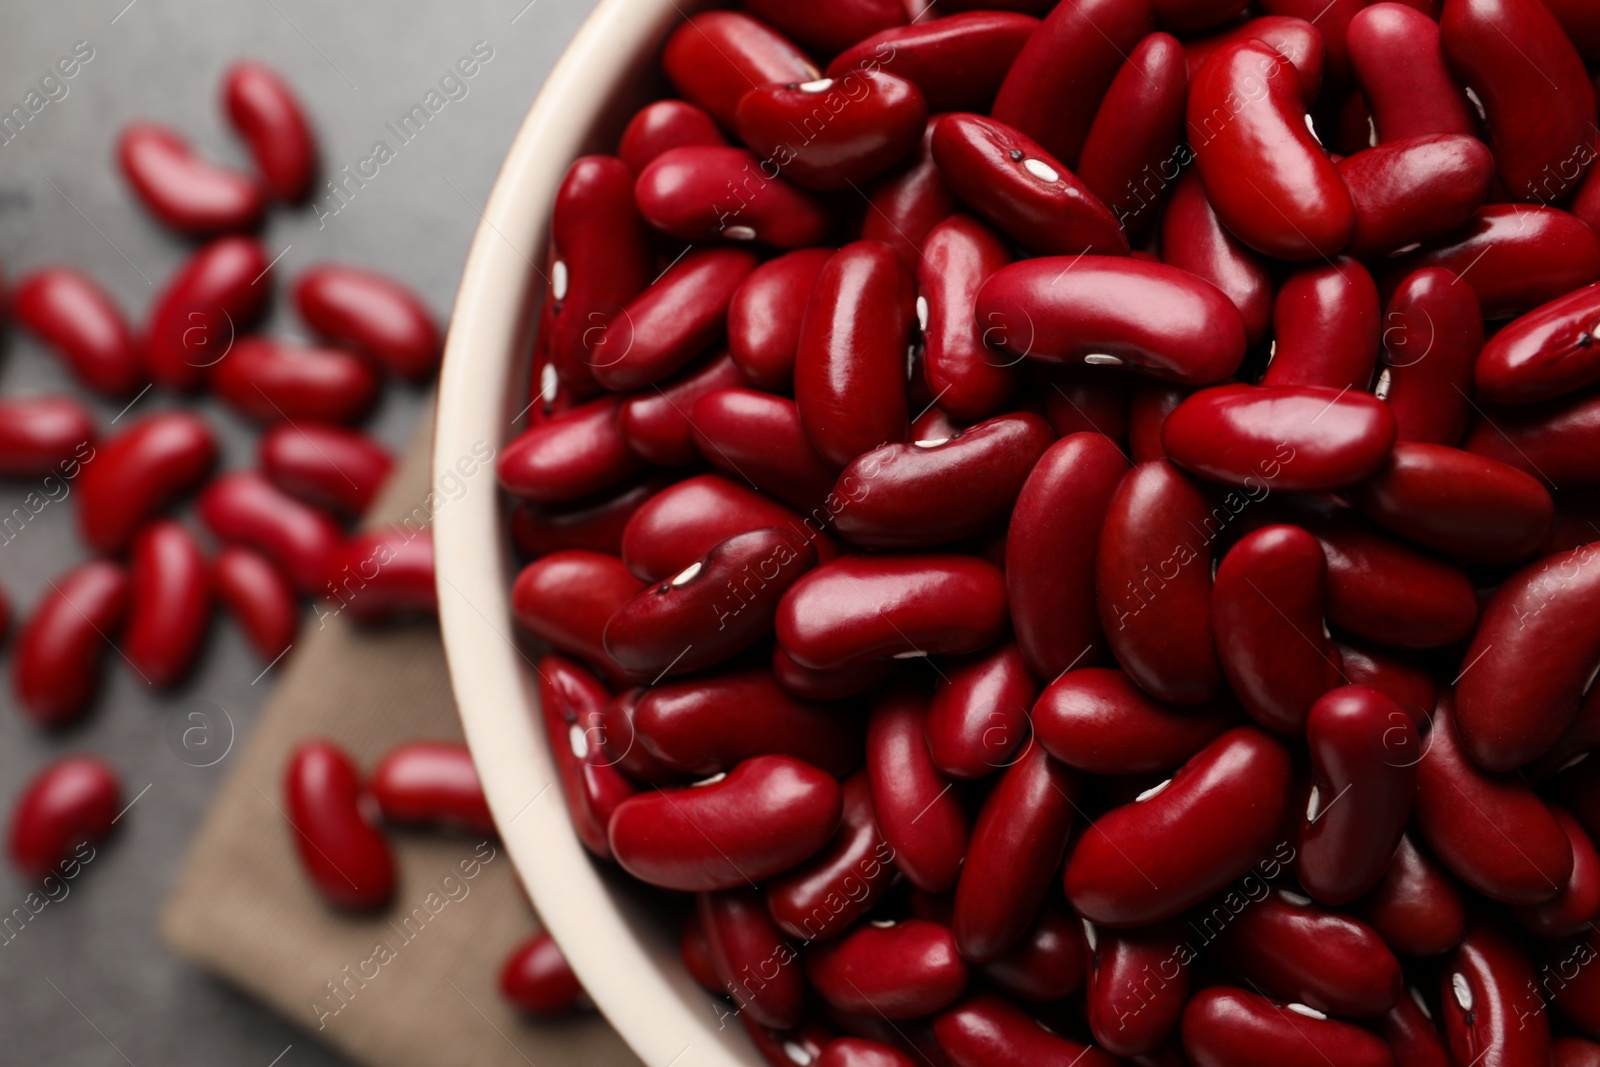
<point x="416" y="985"/>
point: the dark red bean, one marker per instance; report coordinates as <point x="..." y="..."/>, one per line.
<point x="1571" y="981"/>
<point x="1194" y="240"/>
<point x="1575" y="1052"/>
<point x="896" y="971"/>
<point x="188" y="193"/>
<point x="372" y="314"/>
<point x="850" y="367"/>
<point x="61" y="647"/>
<point x="985" y="1031"/>
<point x="431" y="782"/>
<point x="715" y="58"/>
<point x="658" y="425"/>
<point x="384" y="574"/>
<point x="663" y="125"/>
<point x="259" y="598"/>
<point x="1489" y="1001"/>
<point x="1138" y="983"/>
<point x="44" y="436"/>
<point x="1051" y="547"/>
<point x="343" y="853"/>
<point x="979" y="713"/>
<point x="1573" y="910"/>
<point x="1098" y="721"/>
<point x="66" y="805"/>
<point x="1398" y="63"/>
<point x="594" y="525"/>
<point x="1085" y="399"/>
<point x="837" y="684"/>
<point x="876" y="119"/>
<point x="906" y="204"/>
<point x="537" y="979"/>
<point x="1410" y="1033"/>
<point x="1182" y="16"/>
<point x="1554" y="441"/>
<point x="1414" y="189"/>
<point x="765" y="313"/>
<point x="711" y="192"/>
<point x="920" y="818"/>
<point x="754" y="964"/>
<point x="216" y="295"/>
<point x="1048" y="962"/>
<point x="1137" y="132"/>
<point x="328" y="467"/>
<point x="680" y="524"/>
<point x="77" y="320"/>
<point x="857" y="1052"/>
<point x="832" y="25"/>
<point x="244" y="508"/>
<point x="169" y="603"/>
<point x="758" y="437"/>
<point x="1153" y="584"/>
<point x="1187" y="838"/>
<point x="572" y="703"/>
<point x="567" y="597"/>
<point x="271" y="381"/>
<point x="1417" y="907"/>
<point x="1397" y="675"/>
<point x="1432" y="334"/>
<point x="1225" y="1027"/>
<point x="969" y="380"/>
<point x="957" y="61"/>
<point x="767" y="815"/>
<point x="266" y="113"/>
<point x="1543" y="354"/>
<point x="1325" y="326"/>
<point x="1491" y="830"/>
<point x="568" y="456"/>
<point x="826" y="894"/>
<point x="1022" y="190"/>
<point x="696" y="954"/>
<point x="1295" y="39"/>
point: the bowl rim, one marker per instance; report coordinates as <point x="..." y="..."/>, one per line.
<point x="627" y="963"/>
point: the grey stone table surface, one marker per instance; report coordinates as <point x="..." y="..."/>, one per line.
<point x="86" y="981"/>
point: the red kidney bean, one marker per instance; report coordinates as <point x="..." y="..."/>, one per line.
<point x="658" y="425"/>
<point x="850" y="367"/>
<point x="1084" y="399"/>
<point x="1062" y="73"/>
<point x="897" y="971"/>
<point x="979" y="713"/>
<point x="900" y="493"/>
<point x="1409" y="1032"/>
<point x="1022" y="189"/>
<point x="71" y="314"/>
<point x="537" y="979"/>
<point x="38" y="435"/>
<point x="270" y="381"/>
<point x="1514" y="257"/>
<point x="1396" y="675"/>
<point x="802" y="1045"/>
<point x="767" y="815"/>
<point x="1098" y="721"/>
<point x="1364" y="755"/>
<point x="1554" y="441"/>
<point x="1459" y="503"/>
<point x="1154" y="319"/>
<point x="675" y="319"/>
<point x="601" y="259"/>
<point x="970" y="380"/>
<point x="836" y="684"/>
<point x="1194" y="240"/>
<point x="594" y="525"/>
<point x="1224" y="1027"/>
<point x="423" y="782"/>
<point x="341" y="850"/>
<point x="1295" y="39"/>
<point x="1543" y="354"/>
<point x="1414" y="189"/>
<point x="1187" y="838"/>
<point x="1286" y="947"/>
<point x="1537" y="99"/>
<point x="696" y="954"/>
<point x="169" y="603"/>
<point x="1570" y="980"/>
<point x="758" y="436"/>
<point x="265" y="112"/>
<point x="714" y="58"/>
<point x="876" y="119"/>
<point x="259" y="597"/>
<point x="1332" y="20"/>
<point x="1531" y="661"/>
<point x="1490" y="1006"/>
<point x="753" y="962"/>
<point x="1573" y="910"/>
<point x="1267" y="604"/>
<point x="906" y="204"/>
<point x="711" y="192"/>
<point x="1575" y="1052"/>
<point x="664" y="125"/>
<point x="1048" y="962"/>
<point x="1246" y="116"/>
<point x="242" y="507"/>
<point x="66" y="804"/>
<point x="372" y="314"/>
<point x="1325" y="326"/>
<point x="833" y="25"/>
<point x="383" y="574"/>
<point x="622" y="747"/>
<point x="1185" y="16"/>
<point x="1138" y="132"/>
<point x="219" y="292"/>
<point x="859" y="608"/>
<point x="1296" y="438"/>
<point x="957" y="61"/>
<point x="569" y="455"/>
<point x="57" y="666"/>
<point x="572" y="703"/>
<point x="680" y="524"/>
<point x="1138" y="983"/>
<point x="1581" y="25"/>
<point x="857" y="1052"/>
<point x="567" y="597"/>
<point x="765" y="313"/>
<point x="826" y="894"/>
<point x="1491" y="830"/>
<point x="921" y="820"/>
<point x="188" y="193"/>
<point x="1432" y="334"/>
<point x="1416" y="907"/>
<point x="1015" y="852"/>
<point x="1398" y="63"/>
<point x="985" y="1031"/>
<point x="328" y="467"/>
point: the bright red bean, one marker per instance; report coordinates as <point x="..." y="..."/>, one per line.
<point x="680" y="524"/>
<point x="1224" y="1027"/>
<point x="431" y="782"/>
<point x="169" y="603"/>
<point x="61" y="647"/>
<point x="920" y="819"/>
<point x="758" y="437"/>
<point x="957" y="61"/>
<point x="1432" y="334"/>
<point x="1098" y="721"/>
<point x="659" y="425"/>
<point x="260" y="598"/>
<point x="1138" y="983"/>
<point x="68" y="803"/>
<point x="906" y="204"/>
<point x="1295" y="39"/>
<point x="901" y="971"/>
<point x="1399" y="64"/>
<point x="572" y="704"/>
<point x="43" y="436"/>
<point x="985" y="1031"/>
<point x="271" y="381"/>
<point x="537" y="979"/>
<point x="71" y="314"/>
<point x="383" y="574"/>
<point x="266" y="113"/>
<point x="1137" y="132"/>
<point x="1194" y="240"/>
<point x="188" y="193"/>
<point x="827" y="893"/>
<point x="969" y="380"/>
<point x="1325" y="326"/>
<point x="712" y="192"/>
<point x="858" y="1052"/>
<point x="569" y="455"/>
<point x="765" y="313"/>
<point x="567" y="597"/>
<point x="343" y="853"/>
<point x="216" y="295"/>
<point x="876" y="119"/>
<point x="663" y="125"/>
<point x="1490" y="1006"/>
<point x="328" y="467"/>
<point x="244" y="508"/>
<point x="1544" y="354"/>
<point x="1414" y="189"/>
<point x="753" y="962"/>
<point x="372" y="314"/>
<point x="715" y="58"/>
<point x="979" y="712"/>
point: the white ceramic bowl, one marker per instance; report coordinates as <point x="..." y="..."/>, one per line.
<point x="623" y="952"/>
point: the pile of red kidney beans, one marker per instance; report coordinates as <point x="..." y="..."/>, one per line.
<point x="282" y="530"/>
<point x="1071" y="530"/>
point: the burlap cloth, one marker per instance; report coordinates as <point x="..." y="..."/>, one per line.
<point x="415" y="985"/>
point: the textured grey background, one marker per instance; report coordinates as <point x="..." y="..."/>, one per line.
<point x="86" y="982"/>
